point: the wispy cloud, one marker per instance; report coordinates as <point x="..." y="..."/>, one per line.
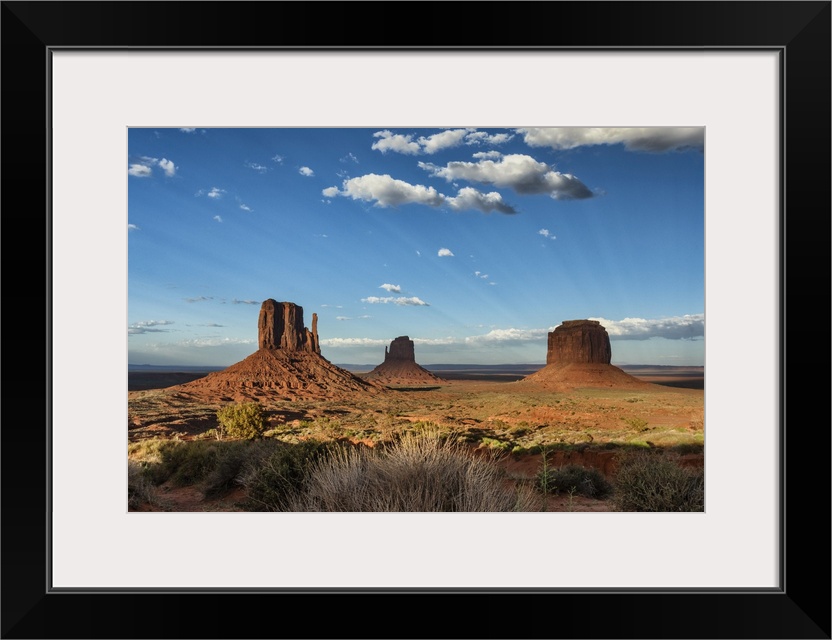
<point x="445" y="253"/>
<point x="686" y="327"/>
<point x="259" y="168"/>
<point x="391" y="288"/>
<point x="652" y="139"/>
<point x="278" y="158"/>
<point x="546" y="234"/>
<point x="481" y="275"/>
<point x="350" y="157"/>
<point x="187" y="129"/>
<point x="401" y="301"/>
<point x="216" y="193"/>
<point x="245" y="207"/>
<point x="306" y="171"/>
<point x="519" y="172"/>
<point x="148" y="326"/>
<point x="132" y="227"/>
<point x="236" y="301"/>
<point x="218" y="218"/>
<point x="199" y="299"/>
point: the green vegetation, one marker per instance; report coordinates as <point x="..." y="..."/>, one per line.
<point x="244" y="420"/>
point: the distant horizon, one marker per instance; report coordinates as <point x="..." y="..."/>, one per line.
<point x="426" y="365"/>
<point x="474" y="242"/>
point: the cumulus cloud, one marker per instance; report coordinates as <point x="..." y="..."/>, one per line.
<point x="401" y="301"/>
<point x="546" y="234"/>
<point x="132" y="227"/>
<point x="391" y="288"/>
<point x="652" y="139"/>
<point x="469" y="198"/>
<point x="216" y="193"/>
<point x="388" y="141"/>
<point x="168" y="167"/>
<point x="519" y="172"/>
<point x="306" y="171"/>
<point x="445" y="253"/>
<point x="199" y="299"/>
<point x="139" y="170"/>
<point x="386" y="191"/>
<point x="218" y="218"/>
<point x="687" y="327"/>
<point x="446" y="139"/>
<point x="486" y="155"/>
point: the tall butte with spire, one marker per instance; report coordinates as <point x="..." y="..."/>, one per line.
<point x="578" y="355"/>
<point x="288" y="363"/>
<point x="399" y="366"/>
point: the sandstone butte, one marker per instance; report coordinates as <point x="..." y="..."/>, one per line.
<point x="579" y="355"/>
<point x="288" y="363"/>
<point x="400" y="368"/>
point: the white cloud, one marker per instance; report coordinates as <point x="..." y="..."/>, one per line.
<point x="132" y="227"/>
<point x="444" y="253"/>
<point x="481" y="275"/>
<point x="481" y="137"/>
<point x="245" y="207"/>
<point x="354" y="342"/>
<point x="401" y="301"/>
<point x="199" y="299"/>
<point x="216" y="193"/>
<point x="214" y="341"/>
<point x="148" y="326"/>
<point x="418" y="253"/>
<point x="168" y="167"/>
<point x="391" y="288"/>
<point x="673" y="328"/>
<point x="519" y="172"/>
<point x="342" y="318"/>
<point x="386" y="191"/>
<point x="350" y="157"/>
<point x="654" y="139"/>
<point x="389" y="192"/>
<point x="259" y="168"/>
<point x="485" y="155"/>
<point x="395" y="142"/>
<point x="545" y="233"/>
<point x="187" y="130"/>
<point x="139" y="170"/>
<point x="236" y="301"/>
<point x="278" y="159"/>
<point x="306" y="171"/>
<point x="218" y="218"/>
<point x="443" y="140"/>
<point x="470" y="198"/>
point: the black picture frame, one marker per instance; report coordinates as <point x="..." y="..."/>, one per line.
<point x="800" y="608"/>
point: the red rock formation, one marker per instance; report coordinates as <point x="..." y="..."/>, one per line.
<point x="579" y="341"/>
<point x="288" y="364"/>
<point x="399" y="366"/>
<point x="579" y="355"/>
<point x="280" y="326"/>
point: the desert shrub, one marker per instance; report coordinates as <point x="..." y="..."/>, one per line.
<point x="574" y="478"/>
<point x="243" y="420"/>
<point x="417" y="473"/>
<point x="274" y="478"/>
<point x="140" y="488"/>
<point x="647" y="481"/>
<point x="229" y="463"/>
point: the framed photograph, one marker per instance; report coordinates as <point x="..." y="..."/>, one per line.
<point x="88" y="84"/>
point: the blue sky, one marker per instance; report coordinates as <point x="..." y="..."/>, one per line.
<point x="474" y="242"/>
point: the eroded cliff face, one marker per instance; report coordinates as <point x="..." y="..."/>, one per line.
<point x="399" y="366"/>
<point x="579" y="341"/>
<point x="280" y="326"/>
<point x="400" y="349"/>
